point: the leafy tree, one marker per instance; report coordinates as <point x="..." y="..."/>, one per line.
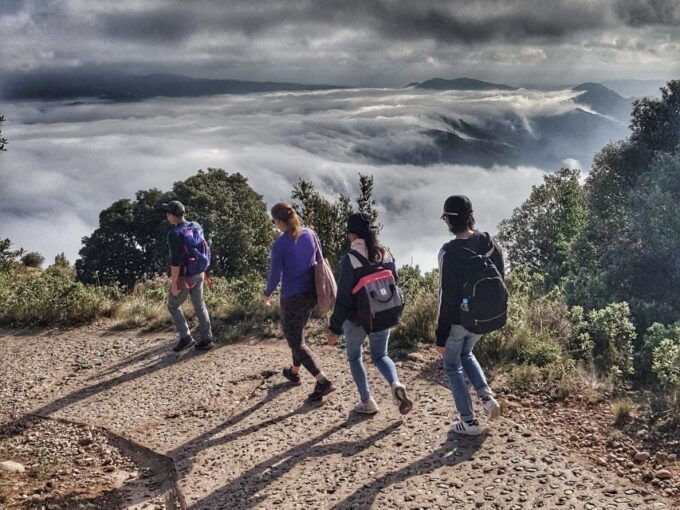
<point x="61" y="261"/>
<point x="329" y="219"/>
<point x="130" y="243"/>
<point x="8" y="256"/>
<point x="541" y="231"/>
<point x="629" y="249"/>
<point x="33" y="259"/>
<point x="3" y="141"/>
<point x="233" y="216"/>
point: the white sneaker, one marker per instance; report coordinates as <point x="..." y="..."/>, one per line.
<point x="491" y="407"/>
<point x="466" y="429"/>
<point x="405" y="403"/>
<point x="368" y="407"/>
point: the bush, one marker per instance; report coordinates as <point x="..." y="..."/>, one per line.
<point x="666" y="362"/>
<point x="654" y="336"/>
<point x="30" y="298"/>
<point x="612" y="334"/>
<point x="235" y="302"/>
<point x="33" y="259"/>
<point x="421" y="295"/>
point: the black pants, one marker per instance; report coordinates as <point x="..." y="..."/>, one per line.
<point x="295" y="312"/>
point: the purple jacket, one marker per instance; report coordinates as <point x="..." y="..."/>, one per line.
<point x="292" y="264"/>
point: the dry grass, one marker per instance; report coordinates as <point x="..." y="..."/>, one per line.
<point x="623" y="411"/>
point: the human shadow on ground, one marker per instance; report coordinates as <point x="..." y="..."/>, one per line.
<point x="243" y="492"/>
<point x="455" y="450"/>
<point x="208" y="439"/>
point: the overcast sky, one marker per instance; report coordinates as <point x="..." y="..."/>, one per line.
<point x="360" y="42"/>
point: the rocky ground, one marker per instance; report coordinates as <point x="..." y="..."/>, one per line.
<point x="240" y="437"/>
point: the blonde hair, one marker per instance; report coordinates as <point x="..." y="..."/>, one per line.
<point x="286" y="214"/>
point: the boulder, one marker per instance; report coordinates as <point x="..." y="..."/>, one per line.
<point x="12" y="467"/>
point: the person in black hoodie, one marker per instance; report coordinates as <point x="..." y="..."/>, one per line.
<point x="454" y="342"/>
<point x="365" y="247"/>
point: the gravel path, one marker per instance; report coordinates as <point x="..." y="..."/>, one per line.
<point x="243" y="438"/>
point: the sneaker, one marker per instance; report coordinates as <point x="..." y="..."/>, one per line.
<point x="368" y="407"/>
<point x="321" y="389"/>
<point x="405" y="404"/>
<point x="467" y="428"/>
<point x="184" y="343"/>
<point x="292" y="377"/>
<point x="491" y="407"/>
<point x="204" y="345"/>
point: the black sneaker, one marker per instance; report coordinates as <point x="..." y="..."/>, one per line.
<point x="184" y="343"/>
<point x="293" y="378"/>
<point x="321" y="389"/>
<point x="205" y="345"/>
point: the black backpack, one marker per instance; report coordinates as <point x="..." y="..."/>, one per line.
<point x="379" y="299"/>
<point x="484" y="307"/>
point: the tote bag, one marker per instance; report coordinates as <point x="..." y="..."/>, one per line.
<point x="326" y="288"/>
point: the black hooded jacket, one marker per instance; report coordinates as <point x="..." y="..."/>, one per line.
<point x="452" y="277"/>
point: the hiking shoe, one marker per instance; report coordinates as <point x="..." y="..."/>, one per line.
<point x="184" y="343"/>
<point x="321" y="389"/>
<point x="491" y="407"/>
<point x="405" y="404"/>
<point x="465" y="428"/>
<point x="292" y="377"/>
<point x="205" y="345"/>
<point x="368" y="407"/>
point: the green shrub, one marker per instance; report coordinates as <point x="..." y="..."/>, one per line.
<point x="35" y="298"/>
<point x="654" y="336"/>
<point x="612" y="334"/>
<point x="666" y="362"/>
<point x="421" y="297"/>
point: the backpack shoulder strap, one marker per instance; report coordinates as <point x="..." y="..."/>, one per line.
<point x="364" y="261"/>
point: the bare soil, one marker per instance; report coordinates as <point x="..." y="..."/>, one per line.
<point x="241" y="437"/>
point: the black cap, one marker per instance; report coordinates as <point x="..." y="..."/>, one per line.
<point x="358" y="223"/>
<point x="457" y="205"/>
<point x="174" y="207"/>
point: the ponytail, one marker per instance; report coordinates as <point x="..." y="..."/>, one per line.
<point x="286" y="214"/>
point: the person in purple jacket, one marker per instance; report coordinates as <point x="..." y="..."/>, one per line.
<point x="292" y="264"/>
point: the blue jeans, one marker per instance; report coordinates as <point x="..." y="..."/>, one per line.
<point x="459" y="361"/>
<point x="354" y="339"/>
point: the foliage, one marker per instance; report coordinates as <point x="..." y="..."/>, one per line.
<point x="234" y="302"/>
<point x="652" y="339"/>
<point x="33" y="259"/>
<point x="612" y="334"/>
<point x="329" y="219"/>
<point x="540" y="232"/>
<point x="130" y="243"/>
<point x="42" y="298"/>
<point x="8" y="256"/>
<point x="666" y="362"/>
<point x="419" y="320"/>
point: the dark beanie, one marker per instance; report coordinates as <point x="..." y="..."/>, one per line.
<point x="358" y="223"/>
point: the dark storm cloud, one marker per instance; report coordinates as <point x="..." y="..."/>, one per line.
<point x="158" y="25"/>
<point x="649" y="12"/>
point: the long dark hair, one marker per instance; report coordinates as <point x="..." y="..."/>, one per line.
<point x="359" y="225"/>
<point x="285" y="213"/>
<point x="461" y="223"/>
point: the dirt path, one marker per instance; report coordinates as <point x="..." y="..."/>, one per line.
<point x="242" y="438"/>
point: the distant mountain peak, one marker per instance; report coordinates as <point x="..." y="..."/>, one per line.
<point x="603" y="100"/>
<point x="460" y="84"/>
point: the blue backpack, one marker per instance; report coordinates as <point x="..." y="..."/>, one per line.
<point x="197" y="249"/>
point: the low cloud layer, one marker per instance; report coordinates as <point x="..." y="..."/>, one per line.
<point x="66" y="162"/>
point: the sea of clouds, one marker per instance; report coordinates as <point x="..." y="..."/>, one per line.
<point x="67" y="161"/>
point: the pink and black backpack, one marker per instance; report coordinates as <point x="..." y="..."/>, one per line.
<point x="378" y="297"/>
